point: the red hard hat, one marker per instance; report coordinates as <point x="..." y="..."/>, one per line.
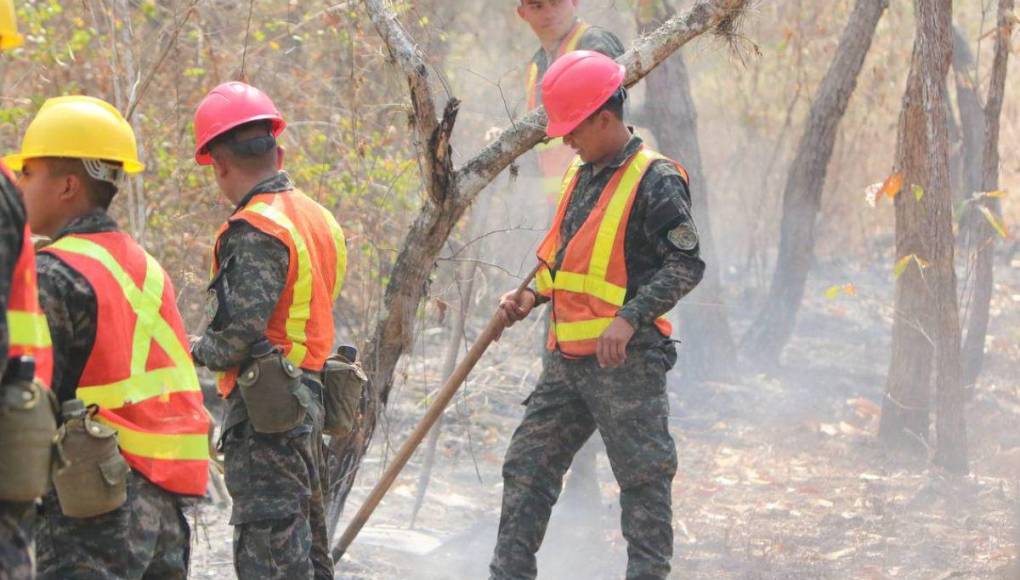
<point x="575" y="86"/>
<point x="227" y="106"/>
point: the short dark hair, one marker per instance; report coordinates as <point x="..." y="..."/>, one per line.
<point x="248" y="153"/>
<point x="615" y="103"/>
<point x="100" y="193"/>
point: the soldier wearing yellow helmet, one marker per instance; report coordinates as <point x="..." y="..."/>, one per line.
<point x="28" y="422"/>
<point x="128" y="388"/>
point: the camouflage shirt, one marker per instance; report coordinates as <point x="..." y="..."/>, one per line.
<point x="252" y="276"/>
<point x="661" y="243"/>
<point x="595" y="38"/>
<point x="70" y="305"/>
<point x="12" y="232"/>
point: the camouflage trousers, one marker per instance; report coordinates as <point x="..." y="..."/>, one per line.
<point x="573" y="398"/>
<point x="277" y="486"/>
<point x="146" y="538"/>
<point x="16" y="558"/>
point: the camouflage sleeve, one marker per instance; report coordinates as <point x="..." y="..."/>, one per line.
<point x="673" y="237"/>
<point x="69" y="303"/>
<point x="12" y="230"/>
<point x="246" y="289"/>
<point x="601" y="40"/>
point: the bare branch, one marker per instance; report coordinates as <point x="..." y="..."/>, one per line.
<point x="646" y="54"/>
<point x="411" y="62"/>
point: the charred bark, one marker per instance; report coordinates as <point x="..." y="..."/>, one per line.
<point x="451" y="191"/>
<point x="802" y="197"/>
<point x="673" y="120"/>
<point x="926" y="332"/>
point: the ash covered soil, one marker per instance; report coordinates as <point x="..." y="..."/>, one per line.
<point x="781" y="474"/>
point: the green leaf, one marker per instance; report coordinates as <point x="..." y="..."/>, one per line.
<point x="1000" y="228"/>
<point x="918" y="192"/>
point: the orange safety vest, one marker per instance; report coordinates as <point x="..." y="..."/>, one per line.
<point x="139" y="372"/>
<point x="302" y="322"/>
<point x="553" y="157"/>
<point x="590" y="285"/>
<point x="29" y="333"/>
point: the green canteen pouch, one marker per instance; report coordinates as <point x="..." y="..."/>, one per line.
<point x="28" y="425"/>
<point x="269" y="387"/>
<point x="343" y="384"/>
<point x="92" y="477"/>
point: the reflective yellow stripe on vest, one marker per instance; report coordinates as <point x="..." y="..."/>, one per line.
<point x="543" y="280"/>
<point x="160" y="445"/>
<point x="150" y="326"/>
<point x="341" y="251"/>
<point x="582" y="330"/>
<point x="28" y="329"/>
<point x="610" y="225"/>
<point x="301" y="304"/>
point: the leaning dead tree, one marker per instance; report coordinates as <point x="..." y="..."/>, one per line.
<point x="450" y="191"/>
<point x="802" y="197"/>
<point x="926" y="328"/>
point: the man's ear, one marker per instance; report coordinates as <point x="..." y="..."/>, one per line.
<point x="280" y="154"/>
<point x="71" y="186"/>
<point x="220" y="169"/>
<point x="520" y="11"/>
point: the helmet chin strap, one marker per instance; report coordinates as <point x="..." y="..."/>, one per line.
<point x="103" y="171"/>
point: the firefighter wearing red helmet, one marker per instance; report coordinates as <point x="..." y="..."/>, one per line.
<point x="278" y="265"/>
<point x="621" y="251"/>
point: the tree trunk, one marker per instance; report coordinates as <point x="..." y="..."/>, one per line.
<point x="450" y="191"/>
<point x="466" y="276"/>
<point x="972" y="118"/>
<point x="926" y="328"/>
<point x="674" y="123"/>
<point x="980" y="233"/>
<point x="802" y="197"/>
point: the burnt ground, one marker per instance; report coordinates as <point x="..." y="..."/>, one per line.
<point x="781" y="474"/>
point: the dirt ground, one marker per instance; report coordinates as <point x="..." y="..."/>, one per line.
<point x="780" y="473"/>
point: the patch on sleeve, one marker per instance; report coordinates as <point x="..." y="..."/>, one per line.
<point x="683" y="237"/>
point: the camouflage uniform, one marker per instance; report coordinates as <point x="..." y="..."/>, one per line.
<point x="276" y="481"/>
<point x="15" y="537"/>
<point x="147" y="537"/>
<point x="627" y="405"/>
<point x="16" y="561"/>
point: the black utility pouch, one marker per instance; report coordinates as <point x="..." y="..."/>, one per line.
<point x="344" y="382"/>
<point x="28" y="425"/>
<point x="91" y="475"/>
<point x="270" y="388"/>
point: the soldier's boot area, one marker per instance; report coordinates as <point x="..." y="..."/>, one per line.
<point x="276" y="485"/>
<point x="148" y="537"/>
<point x="15" y="541"/>
<point x="630" y="409"/>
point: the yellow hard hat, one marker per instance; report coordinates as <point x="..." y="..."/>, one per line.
<point x="79" y="127"/>
<point x="9" y="37"/>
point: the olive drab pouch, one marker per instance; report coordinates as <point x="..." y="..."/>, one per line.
<point x="344" y="382"/>
<point x="272" y="391"/>
<point x="91" y="474"/>
<point x="28" y="425"/>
